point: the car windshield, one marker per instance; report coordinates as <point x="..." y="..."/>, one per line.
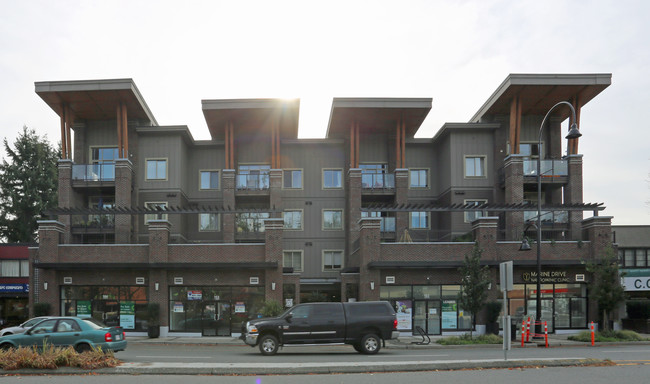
<point x="31" y="322"/>
<point x="95" y="324"/>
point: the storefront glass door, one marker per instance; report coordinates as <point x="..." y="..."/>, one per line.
<point x="426" y="314"/>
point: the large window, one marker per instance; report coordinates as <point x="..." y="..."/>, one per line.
<point x="475" y="166"/>
<point x="209" y="179"/>
<point x="14" y="268"/>
<point x="332" y="260"/>
<point x="332" y="178"/>
<point x="473" y="215"/>
<point x="332" y="219"/>
<point x="104" y="154"/>
<point x="419" y="220"/>
<point x="155" y="205"/>
<point x="156" y="169"/>
<point x="251" y="222"/>
<point x="208" y="222"/>
<point x="292" y="178"/>
<point x="418" y="178"/>
<point x="292" y="259"/>
<point x="293" y="219"/>
<point x="634" y="257"/>
<point x="253" y="177"/>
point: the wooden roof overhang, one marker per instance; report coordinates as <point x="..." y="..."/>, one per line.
<point x="539" y="92"/>
<point x="95" y="99"/>
<point x="251" y="115"/>
<point x="376" y="115"/>
<point x="149" y="266"/>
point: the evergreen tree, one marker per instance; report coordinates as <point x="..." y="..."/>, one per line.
<point x="475" y="281"/>
<point x="606" y="286"/>
<point x="28" y="185"/>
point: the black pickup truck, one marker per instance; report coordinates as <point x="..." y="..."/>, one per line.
<point x="364" y="325"/>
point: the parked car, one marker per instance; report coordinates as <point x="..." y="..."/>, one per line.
<point x="22" y="327"/>
<point x="364" y="325"/>
<point x="82" y="334"/>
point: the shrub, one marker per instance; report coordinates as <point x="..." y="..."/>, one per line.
<point x="42" y="309"/>
<point x="493" y="311"/>
<point x="467" y="339"/>
<point x="50" y="357"/>
<point x="607" y="336"/>
<point x="271" y="308"/>
<point x="638" y="309"/>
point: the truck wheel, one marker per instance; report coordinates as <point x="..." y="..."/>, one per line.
<point x="269" y="345"/>
<point x="370" y="344"/>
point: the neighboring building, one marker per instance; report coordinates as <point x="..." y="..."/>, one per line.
<point x="212" y="228"/>
<point x="14" y="284"/>
<point x="633" y="243"/>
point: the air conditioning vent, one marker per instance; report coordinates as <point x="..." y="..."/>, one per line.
<point x="255" y="280"/>
<point x="580" y="277"/>
<point x="390" y="279"/>
<point x="178" y="280"/>
<point x="67" y="280"/>
<point x="139" y="280"/>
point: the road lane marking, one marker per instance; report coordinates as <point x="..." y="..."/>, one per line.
<point x="176" y="357"/>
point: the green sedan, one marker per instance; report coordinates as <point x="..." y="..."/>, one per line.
<point x="82" y="334"/>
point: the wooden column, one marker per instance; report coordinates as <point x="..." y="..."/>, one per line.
<point x="403" y="144"/>
<point x="231" y="143"/>
<point x="125" y="132"/>
<point x="515" y="124"/>
<point x="226" y="145"/>
<point x="64" y="148"/>
<point x="352" y="160"/>
<point x="119" y="131"/>
<point x="68" y="124"/>
<point x="398" y="146"/>
<point x="573" y="143"/>
<point x="356" y="143"/>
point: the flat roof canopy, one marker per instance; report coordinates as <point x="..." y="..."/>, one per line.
<point x="539" y="92"/>
<point x="376" y="115"/>
<point x="95" y="99"/>
<point x="251" y="114"/>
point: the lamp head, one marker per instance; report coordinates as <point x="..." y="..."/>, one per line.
<point x="525" y="246"/>
<point x="574" y="132"/>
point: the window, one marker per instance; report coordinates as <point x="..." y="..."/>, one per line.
<point x="293" y="220"/>
<point x="418" y="178"/>
<point x="332" y="219"/>
<point x="156" y="169"/>
<point x="209" y="179"/>
<point x="103" y="155"/>
<point x="251" y="221"/>
<point x="419" y="220"/>
<point x="162" y="205"/>
<point x="14" y="268"/>
<point x="473" y="215"/>
<point x="332" y="260"/>
<point x="292" y="178"/>
<point x="530" y="149"/>
<point x="332" y="178"/>
<point x="630" y="258"/>
<point x="208" y="222"/>
<point x="292" y="259"/>
<point x="475" y="166"/>
<point x="253" y="177"/>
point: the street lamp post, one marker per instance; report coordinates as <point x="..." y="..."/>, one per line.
<point x="574" y="133"/>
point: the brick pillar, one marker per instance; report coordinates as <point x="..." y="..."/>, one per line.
<point x="369" y="250"/>
<point x="273" y="253"/>
<point x="401" y="197"/>
<point x="485" y="233"/>
<point x="66" y="195"/>
<point x="159" y="240"/>
<point x="276" y="192"/>
<point x="573" y="195"/>
<point x="228" y="179"/>
<point x="514" y="194"/>
<point x="123" y="188"/>
<point x="598" y="231"/>
<point x="50" y="233"/>
<point x="159" y="231"/>
<point x="353" y="214"/>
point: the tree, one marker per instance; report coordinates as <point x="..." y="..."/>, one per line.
<point x="28" y="185"/>
<point x="606" y="286"/>
<point x="475" y="281"/>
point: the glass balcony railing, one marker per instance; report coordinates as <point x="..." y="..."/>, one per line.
<point x="104" y="221"/>
<point x="387" y="224"/>
<point x="252" y="182"/>
<point x="548" y="168"/>
<point x="93" y="172"/>
<point x="378" y="180"/>
<point x="548" y="217"/>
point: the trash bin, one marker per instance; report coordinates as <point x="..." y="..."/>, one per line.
<point x="513" y="329"/>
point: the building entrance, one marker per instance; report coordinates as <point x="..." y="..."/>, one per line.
<point x="215" y="318"/>
<point x="426" y="314"/>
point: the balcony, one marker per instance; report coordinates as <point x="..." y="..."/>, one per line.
<point x="93" y="174"/>
<point x="250" y="227"/>
<point x="378" y="183"/>
<point x="92" y="224"/>
<point x="554" y="171"/>
<point x="548" y="217"/>
<point x="252" y="183"/>
<point x="387" y="229"/>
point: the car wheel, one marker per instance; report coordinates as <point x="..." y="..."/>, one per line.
<point x="6" y="334"/>
<point x="269" y="345"/>
<point x="6" y="346"/>
<point x="370" y="344"/>
<point x="81" y="348"/>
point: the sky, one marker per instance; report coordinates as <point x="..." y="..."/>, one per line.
<point x="455" y="52"/>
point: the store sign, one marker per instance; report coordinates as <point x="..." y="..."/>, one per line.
<point x="84" y="310"/>
<point x="178" y="307"/>
<point x="449" y="316"/>
<point x="240" y="307"/>
<point x="636" y="280"/>
<point x="127" y="314"/>
<point x="404" y="313"/>
<point x="547" y="277"/>
<point x="14" y="288"/>
<point x="194" y="295"/>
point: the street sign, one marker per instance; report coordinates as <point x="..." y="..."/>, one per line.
<point x="505" y="270"/>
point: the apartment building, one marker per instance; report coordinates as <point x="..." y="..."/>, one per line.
<point x="210" y="229"/>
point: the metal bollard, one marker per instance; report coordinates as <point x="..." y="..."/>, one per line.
<point x="546" y="333"/>
<point x="593" y="336"/>
<point x="523" y="332"/>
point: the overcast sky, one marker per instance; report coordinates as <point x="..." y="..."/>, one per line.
<point x="456" y="52"/>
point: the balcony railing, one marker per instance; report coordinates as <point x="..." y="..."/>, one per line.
<point x="378" y="181"/>
<point x="93" y="222"/>
<point x="548" y="168"/>
<point x="548" y="217"/>
<point x="93" y="172"/>
<point x="252" y="182"/>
